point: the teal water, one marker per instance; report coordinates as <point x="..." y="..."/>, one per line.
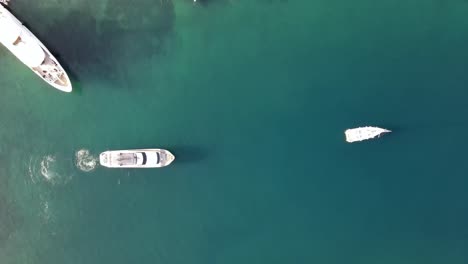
<point x="253" y="98"/>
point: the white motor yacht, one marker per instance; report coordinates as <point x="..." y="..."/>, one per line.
<point x="30" y="51"/>
<point x="136" y="158"/>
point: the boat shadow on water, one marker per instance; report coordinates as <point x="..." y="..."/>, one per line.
<point x="188" y="154"/>
<point x="421" y="132"/>
<point x="74" y="79"/>
<point x="100" y="44"/>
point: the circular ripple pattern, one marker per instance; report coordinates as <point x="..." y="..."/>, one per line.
<point x="85" y="161"/>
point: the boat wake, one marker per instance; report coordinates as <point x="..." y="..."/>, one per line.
<point x="45" y="212"/>
<point x="85" y="161"/>
<point x="47" y="169"/>
<point x="47" y="164"/>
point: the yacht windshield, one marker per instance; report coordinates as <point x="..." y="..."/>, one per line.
<point x="158" y="158"/>
<point x="144" y="158"/>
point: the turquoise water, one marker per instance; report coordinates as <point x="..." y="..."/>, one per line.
<point x="252" y="97"/>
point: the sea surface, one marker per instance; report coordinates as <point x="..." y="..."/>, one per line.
<point x="253" y="97"/>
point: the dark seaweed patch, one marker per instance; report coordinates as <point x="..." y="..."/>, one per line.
<point x="100" y="45"/>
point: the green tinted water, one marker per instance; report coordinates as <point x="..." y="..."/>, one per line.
<point x="252" y="97"/>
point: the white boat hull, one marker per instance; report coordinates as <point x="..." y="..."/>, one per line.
<point x="364" y="133"/>
<point x="30" y="51"/>
<point x="136" y="158"/>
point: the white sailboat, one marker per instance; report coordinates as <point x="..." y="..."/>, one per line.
<point x="30" y="51"/>
<point x="364" y="133"/>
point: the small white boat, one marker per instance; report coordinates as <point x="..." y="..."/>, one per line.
<point x="136" y="158"/>
<point x="30" y="51"/>
<point x="363" y="133"/>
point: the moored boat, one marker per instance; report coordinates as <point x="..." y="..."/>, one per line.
<point x="30" y="51"/>
<point x="364" y="133"/>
